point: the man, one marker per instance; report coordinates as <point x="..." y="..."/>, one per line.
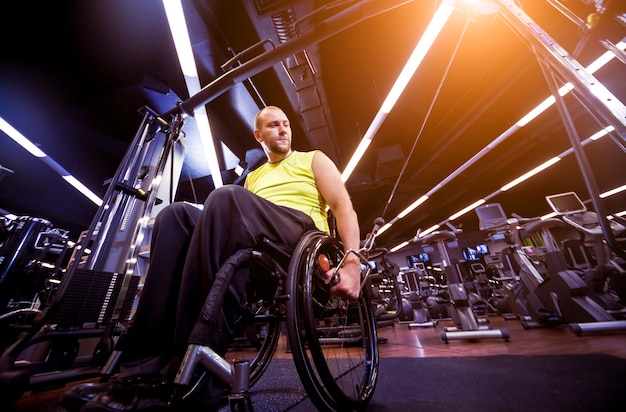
<point x="273" y="132"/>
<point x="282" y="200"/>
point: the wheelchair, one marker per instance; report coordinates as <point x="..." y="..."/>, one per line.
<point x="333" y="341"/>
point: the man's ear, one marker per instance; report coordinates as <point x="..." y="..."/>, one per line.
<point x="257" y="135"/>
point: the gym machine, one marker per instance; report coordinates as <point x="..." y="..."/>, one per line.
<point x="386" y="293"/>
<point x="574" y="212"/>
<point x="462" y="314"/>
<point x="74" y="334"/>
<point x="418" y="297"/>
<point x="33" y="255"/>
<point x="547" y="293"/>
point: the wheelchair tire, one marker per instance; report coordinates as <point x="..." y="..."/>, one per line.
<point x="333" y="341"/>
<point x="257" y="342"/>
<point x="259" y="328"/>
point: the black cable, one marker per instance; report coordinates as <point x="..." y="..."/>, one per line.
<point x="432" y="104"/>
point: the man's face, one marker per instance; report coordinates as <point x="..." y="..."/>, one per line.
<point x="274" y="132"/>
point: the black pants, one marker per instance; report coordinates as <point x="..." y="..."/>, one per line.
<point x="188" y="247"/>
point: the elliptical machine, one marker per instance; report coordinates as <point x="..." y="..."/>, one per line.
<point x="466" y="321"/>
<point x="531" y="299"/>
<point x="604" y="267"/>
<point x="548" y="292"/>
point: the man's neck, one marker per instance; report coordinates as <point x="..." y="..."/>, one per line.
<point x="278" y="159"/>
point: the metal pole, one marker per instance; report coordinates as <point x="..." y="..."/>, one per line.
<point x="607" y="106"/>
<point x="551" y="56"/>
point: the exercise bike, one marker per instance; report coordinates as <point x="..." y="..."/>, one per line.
<point x="522" y="275"/>
<point x="386" y="293"/>
<point x="419" y="297"/>
<point x="462" y="314"/>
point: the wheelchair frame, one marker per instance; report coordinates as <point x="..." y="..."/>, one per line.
<point x="333" y="341"/>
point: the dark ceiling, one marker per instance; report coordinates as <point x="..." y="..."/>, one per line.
<point x="73" y="75"/>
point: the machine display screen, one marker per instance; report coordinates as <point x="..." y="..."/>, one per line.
<point x="491" y="216"/>
<point x="566" y="203"/>
<point x="475" y="253"/>
<point x="413" y="260"/>
<point x="372" y="265"/>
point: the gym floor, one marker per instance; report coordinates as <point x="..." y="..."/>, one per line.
<point x="400" y="340"/>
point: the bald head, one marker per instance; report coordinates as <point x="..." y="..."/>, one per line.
<point x="260" y="115"/>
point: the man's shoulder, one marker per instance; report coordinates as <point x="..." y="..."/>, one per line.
<point x="303" y="159"/>
<point x="309" y="154"/>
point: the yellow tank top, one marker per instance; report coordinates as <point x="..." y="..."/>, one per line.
<point x="291" y="183"/>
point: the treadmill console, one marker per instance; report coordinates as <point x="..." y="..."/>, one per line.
<point x="569" y="206"/>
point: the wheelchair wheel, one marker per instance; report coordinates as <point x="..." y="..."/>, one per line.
<point x="333" y="341"/>
<point x="259" y="327"/>
<point x="256" y="338"/>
